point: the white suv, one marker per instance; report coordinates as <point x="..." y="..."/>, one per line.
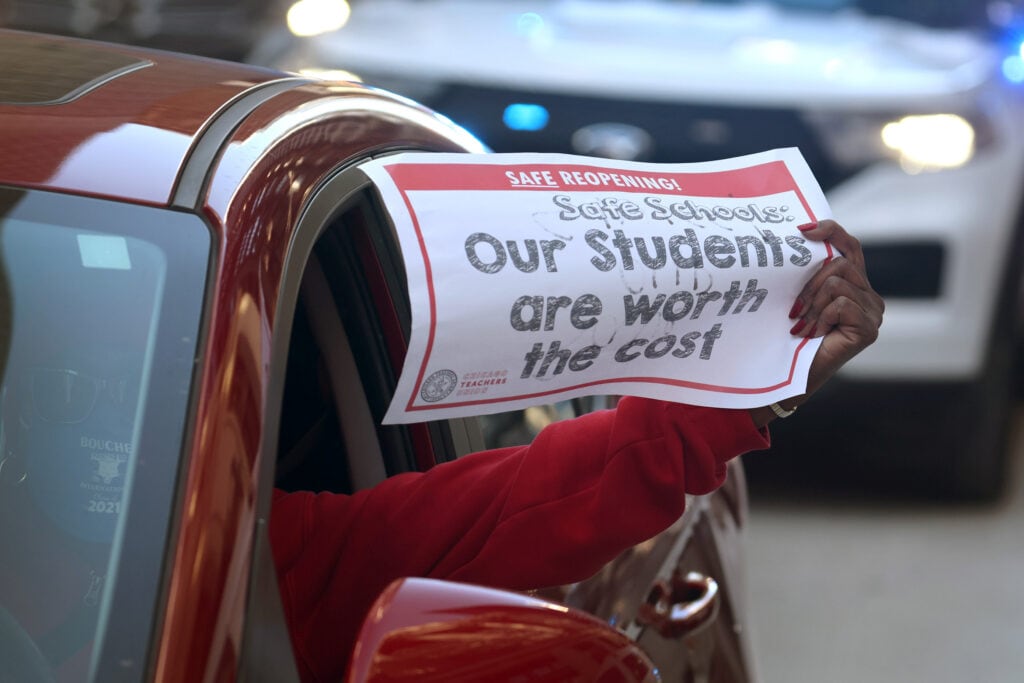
<point x="910" y="113"/>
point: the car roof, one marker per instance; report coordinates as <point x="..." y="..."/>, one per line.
<point x="70" y="106"/>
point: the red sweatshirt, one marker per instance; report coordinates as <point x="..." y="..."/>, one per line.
<point x="547" y="514"/>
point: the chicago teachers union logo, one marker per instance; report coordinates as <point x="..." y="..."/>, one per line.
<point x="438" y="386"/>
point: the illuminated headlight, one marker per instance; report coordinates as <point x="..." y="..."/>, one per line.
<point x="930" y="142"/>
<point x="313" y="17"/>
<point x="919" y="142"/>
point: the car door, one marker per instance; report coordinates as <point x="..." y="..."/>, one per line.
<point x="680" y="595"/>
<point x="348" y="339"/>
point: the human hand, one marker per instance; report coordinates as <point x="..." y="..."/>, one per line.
<point x="838" y="304"/>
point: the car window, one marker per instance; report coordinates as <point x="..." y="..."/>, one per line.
<point x="348" y="342"/>
<point x="97" y="342"/>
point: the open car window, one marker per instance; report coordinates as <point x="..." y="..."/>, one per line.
<point x="341" y="372"/>
<point x="348" y="341"/>
<point x="349" y="336"/>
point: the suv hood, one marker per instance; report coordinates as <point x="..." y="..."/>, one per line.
<point x="659" y="50"/>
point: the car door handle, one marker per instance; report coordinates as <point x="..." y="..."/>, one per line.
<point x="681" y="606"/>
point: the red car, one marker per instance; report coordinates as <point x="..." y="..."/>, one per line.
<point x="192" y="267"/>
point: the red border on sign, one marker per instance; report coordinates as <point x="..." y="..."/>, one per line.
<point x="752" y="181"/>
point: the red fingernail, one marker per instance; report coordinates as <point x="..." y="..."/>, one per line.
<point x="814" y="328"/>
<point x="807" y="226"/>
<point x="799" y="326"/>
<point x="795" y="311"/>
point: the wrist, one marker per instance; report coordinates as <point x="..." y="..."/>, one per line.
<point x="784" y="408"/>
<point x="780" y="411"/>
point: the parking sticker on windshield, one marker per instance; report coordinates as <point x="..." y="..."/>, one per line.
<point x="104" y="251"/>
<point x="541" y="277"/>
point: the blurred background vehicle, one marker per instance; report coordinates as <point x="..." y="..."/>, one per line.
<point x="909" y="113"/>
<point x="202" y="300"/>
<point x="226" y="29"/>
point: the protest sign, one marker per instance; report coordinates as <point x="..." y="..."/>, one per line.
<point x="540" y="277"/>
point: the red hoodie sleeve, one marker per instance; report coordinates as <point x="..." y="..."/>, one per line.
<point x="546" y="514"/>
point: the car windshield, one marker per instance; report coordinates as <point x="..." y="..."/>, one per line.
<point x="100" y="310"/>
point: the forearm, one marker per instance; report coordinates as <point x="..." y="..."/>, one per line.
<point x="570" y="511"/>
<point x="545" y="514"/>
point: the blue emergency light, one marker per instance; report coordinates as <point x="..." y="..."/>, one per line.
<point x="525" y="116"/>
<point x="1013" y="66"/>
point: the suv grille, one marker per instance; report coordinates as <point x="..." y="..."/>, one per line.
<point x="680" y="132"/>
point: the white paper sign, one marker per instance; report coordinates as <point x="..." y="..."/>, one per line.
<point x="541" y="277"/>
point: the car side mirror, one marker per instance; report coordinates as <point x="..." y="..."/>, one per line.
<point x="431" y="630"/>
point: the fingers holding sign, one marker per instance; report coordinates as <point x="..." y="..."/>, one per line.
<point x="837" y="303"/>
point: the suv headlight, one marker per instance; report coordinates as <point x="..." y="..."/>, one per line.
<point x="919" y="142"/>
<point x="930" y="141"/>
<point x="313" y="17"/>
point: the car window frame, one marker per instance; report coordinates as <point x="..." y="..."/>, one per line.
<point x="265" y="634"/>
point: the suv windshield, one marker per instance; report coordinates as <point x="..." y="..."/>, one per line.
<point x="101" y="310"/>
<point x="933" y="13"/>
